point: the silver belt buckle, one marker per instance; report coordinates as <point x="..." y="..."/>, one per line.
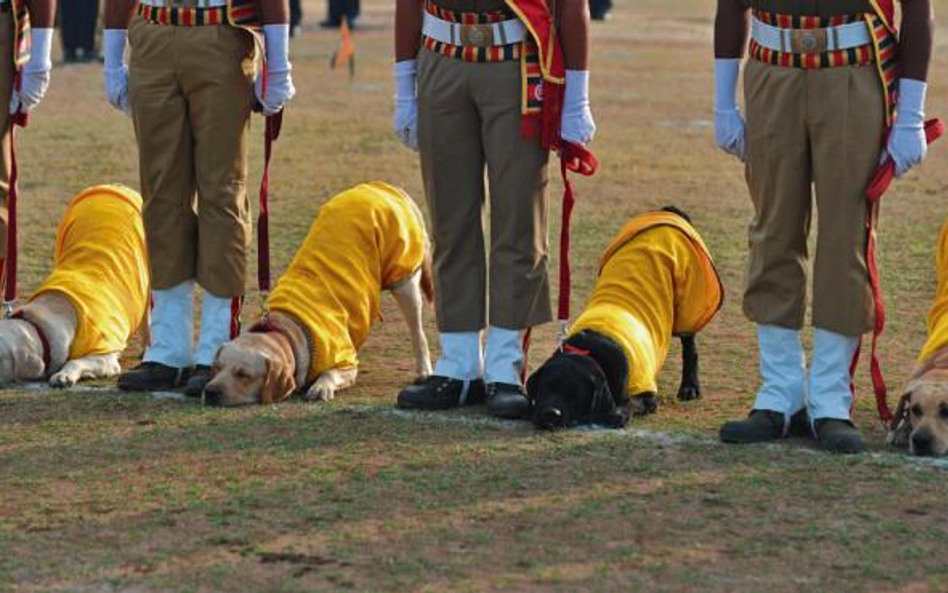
<point x="477" y="35"/>
<point x="808" y="41"/>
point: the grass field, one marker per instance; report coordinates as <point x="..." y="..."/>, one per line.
<point x="101" y="491"/>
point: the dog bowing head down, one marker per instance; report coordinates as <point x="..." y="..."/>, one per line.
<point x="921" y="420"/>
<point x="255" y="368"/>
<point x="582" y="383"/>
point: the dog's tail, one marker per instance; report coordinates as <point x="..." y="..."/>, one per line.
<point x="427" y="267"/>
<point x="678" y="211"/>
<point x="427" y="278"/>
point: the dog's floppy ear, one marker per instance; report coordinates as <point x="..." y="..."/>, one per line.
<point x="28" y="366"/>
<point x="901" y="428"/>
<point x="279" y="382"/>
<point x="532" y="387"/>
<point x="605" y="412"/>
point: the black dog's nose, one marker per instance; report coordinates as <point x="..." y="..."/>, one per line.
<point x="550" y="418"/>
<point x="922" y="444"/>
<point x="212" y="395"/>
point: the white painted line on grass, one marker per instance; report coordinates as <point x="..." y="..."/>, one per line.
<point x="653" y="436"/>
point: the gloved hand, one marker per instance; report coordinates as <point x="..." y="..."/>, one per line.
<point x="576" y="122"/>
<point x="280" y="88"/>
<point x="35" y="74"/>
<point x="907" y="145"/>
<point x="728" y="123"/>
<point x="115" y="70"/>
<point x="406" y="103"/>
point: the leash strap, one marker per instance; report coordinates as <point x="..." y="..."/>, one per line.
<point x="573" y="158"/>
<point x="271" y="134"/>
<point x="19" y="119"/>
<point x="934" y="129"/>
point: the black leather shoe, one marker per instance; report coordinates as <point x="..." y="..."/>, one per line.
<point x="153" y="376"/>
<point x="839" y="436"/>
<point x="507" y="401"/>
<point x="440" y="393"/>
<point x="198" y="380"/>
<point x="760" y="426"/>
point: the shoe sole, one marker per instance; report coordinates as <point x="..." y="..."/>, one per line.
<point x="410" y="405"/>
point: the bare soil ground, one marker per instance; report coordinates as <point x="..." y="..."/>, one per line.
<point x="101" y="491"/>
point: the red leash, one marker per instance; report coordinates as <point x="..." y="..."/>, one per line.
<point x="271" y="134"/>
<point x="10" y="290"/>
<point x="934" y="129"/>
<point x="574" y="158"/>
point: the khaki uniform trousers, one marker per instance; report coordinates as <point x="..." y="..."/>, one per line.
<point x="191" y="92"/>
<point x="468" y="117"/>
<point x="7" y="36"/>
<point x="811" y="132"/>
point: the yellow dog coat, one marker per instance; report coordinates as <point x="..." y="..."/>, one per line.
<point x="656" y="280"/>
<point x="101" y="266"/>
<point x="938" y="315"/>
<point x="365" y="239"/>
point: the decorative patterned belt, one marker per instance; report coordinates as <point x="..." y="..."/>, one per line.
<point x="497" y="53"/>
<point x="827" y="58"/>
<point x="183" y="16"/>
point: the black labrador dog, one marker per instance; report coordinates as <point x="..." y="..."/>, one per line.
<point x="584" y="382"/>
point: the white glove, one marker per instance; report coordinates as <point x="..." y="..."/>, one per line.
<point x="35" y="75"/>
<point x="576" y="123"/>
<point x="907" y="145"/>
<point x="406" y="103"/>
<point x="728" y="123"/>
<point x="115" y="71"/>
<point x="280" y="87"/>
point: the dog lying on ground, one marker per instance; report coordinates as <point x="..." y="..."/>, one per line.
<point x="365" y="240"/>
<point x="79" y="321"/>
<point x="656" y="280"/>
<point x="921" y="420"/>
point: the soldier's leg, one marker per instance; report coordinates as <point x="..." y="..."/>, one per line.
<point x="6" y="87"/>
<point x="519" y="279"/>
<point x="218" y="82"/>
<point x="848" y="122"/>
<point x="159" y="113"/>
<point x="452" y="165"/>
<point x="778" y="178"/>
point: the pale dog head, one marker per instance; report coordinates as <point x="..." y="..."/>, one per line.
<point x="922" y="418"/>
<point x="254" y="368"/>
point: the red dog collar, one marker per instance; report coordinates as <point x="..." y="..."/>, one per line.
<point x="574" y="350"/>
<point x="44" y="341"/>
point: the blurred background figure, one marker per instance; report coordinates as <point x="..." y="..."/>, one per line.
<point x="339" y="9"/>
<point x="296" y="17"/>
<point x="599" y="9"/>
<point x="78" y="19"/>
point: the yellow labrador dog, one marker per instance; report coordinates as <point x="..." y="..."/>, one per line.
<point x="365" y="240"/>
<point x="79" y="321"/>
<point x="921" y="420"/>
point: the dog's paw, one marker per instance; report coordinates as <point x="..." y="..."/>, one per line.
<point x="687" y="393"/>
<point x="322" y="390"/>
<point x="63" y="379"/>
<point x="643" y="405"/>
